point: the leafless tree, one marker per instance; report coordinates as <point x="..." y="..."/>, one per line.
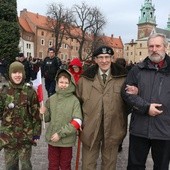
<point x="96" y="29"/>
<point x="60" y="20"/>
<point x="86" y="25"/>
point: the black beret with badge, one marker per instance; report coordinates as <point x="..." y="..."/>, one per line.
<point x="103" y="50"/>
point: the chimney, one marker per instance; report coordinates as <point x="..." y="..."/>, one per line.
<point x="111" y="35"/>
<point x="23" y="11"/>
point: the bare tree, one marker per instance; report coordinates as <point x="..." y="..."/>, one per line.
<point x="96" y="29"/>
<point x="60" y="20"/>
<point x="86" y="20"/>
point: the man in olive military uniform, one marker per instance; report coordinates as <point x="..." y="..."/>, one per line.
<point x="20" y="121"/>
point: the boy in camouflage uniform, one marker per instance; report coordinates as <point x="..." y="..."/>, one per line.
<point x="20" y="121"/>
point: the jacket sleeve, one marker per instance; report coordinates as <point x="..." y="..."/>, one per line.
<point x="135" y="102"/>
<point x="47" y="113"/>
<point x="69" y="128"/>
<point x="36" y="120"/>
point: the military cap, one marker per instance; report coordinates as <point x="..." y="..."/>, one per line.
<point x="16" y="66"/>
<point x="103" y="50"/>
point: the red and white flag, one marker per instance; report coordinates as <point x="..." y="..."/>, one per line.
<point x="37" y="85"/>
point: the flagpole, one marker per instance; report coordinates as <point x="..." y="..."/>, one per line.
<point x="43" y="119"/>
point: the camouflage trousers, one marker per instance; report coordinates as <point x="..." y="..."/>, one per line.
<point x="16" y="155"/>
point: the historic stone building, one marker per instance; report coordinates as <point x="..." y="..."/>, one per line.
<point x="136" y="51"/>
<point x="37" y="36"/>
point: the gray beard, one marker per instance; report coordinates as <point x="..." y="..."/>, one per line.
<point x="156" y="59"/>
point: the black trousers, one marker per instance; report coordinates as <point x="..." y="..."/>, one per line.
<point x="50" y="86"/>
<point x="139" y="148"/>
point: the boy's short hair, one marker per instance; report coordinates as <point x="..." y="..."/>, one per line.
<point x="64" y="74"/>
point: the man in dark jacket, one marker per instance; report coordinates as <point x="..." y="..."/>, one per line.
<point x="150" y="121"/>
<point x="50" y="66"/>
<point x="27" y="67"/>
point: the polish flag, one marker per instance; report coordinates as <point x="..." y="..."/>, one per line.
<point x="37" y="85"/>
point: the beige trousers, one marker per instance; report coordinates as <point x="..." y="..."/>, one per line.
<point x="108" y="154"/>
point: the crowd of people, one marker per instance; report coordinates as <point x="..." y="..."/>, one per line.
<point x="91" y="103"/>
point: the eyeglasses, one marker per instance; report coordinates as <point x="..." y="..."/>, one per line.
<point x="103" y="57"/>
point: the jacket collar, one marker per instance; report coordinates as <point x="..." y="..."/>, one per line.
<point x="147" y="64"/>
<point x="116" y="71"/>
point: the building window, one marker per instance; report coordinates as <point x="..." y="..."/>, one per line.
<point x="140" y="53"/>
<point x="28" y="38"/>
<point x="151" y="15"/>
<point x="50" y="43"/>
<point x="28" y="54"/>
<point x="65" y="56"/>
<point x="127" y="48"/>
<point x="65" y="46"/>
<point x="42" y="33"/>
<point x="52" y="35"/>
<point x="42" y="42"/>
<point x="28" y="46"/>
<point x="77" y="48"/>
<point x="131" y="53"/>
<point x="140" y="45"/>
<point x="61" y="56"/>
<point x="40" y="55"/>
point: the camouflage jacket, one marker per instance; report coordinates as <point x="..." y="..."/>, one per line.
<point x="19" y="114"/>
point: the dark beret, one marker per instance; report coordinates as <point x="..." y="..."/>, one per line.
<point x="103" y="50"/>
<point x="21" y="55"/>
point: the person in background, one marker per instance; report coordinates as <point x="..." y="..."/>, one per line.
<point x="27" y="67"/>
<point x="104" y="119"/>
<point x="121" y="61"/>
<point x="64" y="65"/>
<point x="63" y="112"/>
<point x="76" y="69"/>
<point x="130" y="65"/>
<point x="50" y="66"/>
<point x="149" y="126"/>
<point x="20" y="121"/>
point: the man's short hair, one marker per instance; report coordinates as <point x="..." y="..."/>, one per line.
<point x="51" y="49"/>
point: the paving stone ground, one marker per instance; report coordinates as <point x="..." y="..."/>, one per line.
<point x="40" y="160"/>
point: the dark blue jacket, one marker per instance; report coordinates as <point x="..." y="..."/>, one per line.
<point x="50" y="67"/>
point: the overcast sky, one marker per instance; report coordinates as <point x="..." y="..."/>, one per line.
<point x="122" y="15"/>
